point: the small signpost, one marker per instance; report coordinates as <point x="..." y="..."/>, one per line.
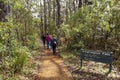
<point x="98" y="56"/>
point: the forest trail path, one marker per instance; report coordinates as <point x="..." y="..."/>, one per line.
<point x="52" y="67"/>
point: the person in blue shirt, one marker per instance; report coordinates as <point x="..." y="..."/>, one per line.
<point x="54" y="44"/>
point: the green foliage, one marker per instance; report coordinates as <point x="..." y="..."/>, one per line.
<point x="10" y="50"/>
<point x="78" y="45"/>
<point x="1" y="77"/>
<point x="17" y="37"/>
<point x="65" y="30"/>
<point x="91" y="23"/>
<point x="95" y="26"/>
<point x="20" y="59"/>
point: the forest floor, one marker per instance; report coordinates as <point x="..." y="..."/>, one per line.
<point x="90" y="70"/>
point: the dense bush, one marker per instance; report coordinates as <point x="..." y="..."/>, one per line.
<point x="16" y="44"/>
<point x="93" y="26"/>
<point x="11" y="51"/>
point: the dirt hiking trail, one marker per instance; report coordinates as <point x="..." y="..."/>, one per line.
<point x="52" y="67"/>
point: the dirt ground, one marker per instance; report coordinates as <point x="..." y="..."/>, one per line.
<point x="52" y="67"/>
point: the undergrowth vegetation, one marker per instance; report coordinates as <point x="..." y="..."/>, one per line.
<point x="18" y="37"/>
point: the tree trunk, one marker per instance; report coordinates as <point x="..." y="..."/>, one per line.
<point x="74" y="7"/>
<point x="54" y="6"/>
<point x="4" y="10"/>
<point x="80" y="4"/>
<point x="49" y="14"/>
<point x="41" y="18"/>
<point x="66" y="12"/>
<point x="45" y="20"/>
<point x="58" y="14"/>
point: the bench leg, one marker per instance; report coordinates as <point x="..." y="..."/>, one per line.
<point x="110" y="67"/>
<point x="81" y="63"/>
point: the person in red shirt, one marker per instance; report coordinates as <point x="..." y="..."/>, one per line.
<point x="48" y="39"/>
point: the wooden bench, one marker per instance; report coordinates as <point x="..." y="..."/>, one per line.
<point x="98" y="56"/>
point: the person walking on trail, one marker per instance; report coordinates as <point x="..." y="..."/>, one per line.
<point x="43" y="39"/>
<point x="54" y="44"/>
<point x="48" y="39"/>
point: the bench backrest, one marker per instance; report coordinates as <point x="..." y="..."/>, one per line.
<point x="98" y="56"/>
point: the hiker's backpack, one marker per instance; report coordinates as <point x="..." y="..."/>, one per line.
<point x="54" y="42"/>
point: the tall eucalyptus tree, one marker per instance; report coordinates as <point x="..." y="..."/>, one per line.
<point x="4" y="10"/>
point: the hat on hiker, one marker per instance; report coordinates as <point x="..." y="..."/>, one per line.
<point x="53" y="35"/>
